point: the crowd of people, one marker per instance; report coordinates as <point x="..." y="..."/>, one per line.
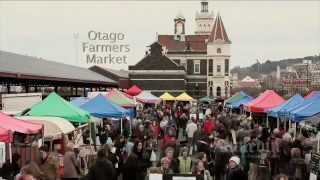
<point x="205" y="141"/>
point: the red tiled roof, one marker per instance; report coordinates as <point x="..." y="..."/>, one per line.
<point x="218" y="31"/>
<point x="196" y="42"/>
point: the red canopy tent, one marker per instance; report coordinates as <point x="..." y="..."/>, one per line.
<point x="5" y="135"/>
<point x="134" y="90"/>
<point x="266" y="100"/>
<point x="311" y="94"/>
<point x="11" y="124"/>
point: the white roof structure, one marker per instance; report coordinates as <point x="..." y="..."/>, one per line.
<point x="248" y="79"/>
<point x="54" y="127"/>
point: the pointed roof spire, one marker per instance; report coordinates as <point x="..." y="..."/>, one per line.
<point x="218" y="31"/>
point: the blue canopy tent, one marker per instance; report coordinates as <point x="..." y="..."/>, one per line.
<point x="292" y="102"/>
<point x="304" y="103"/>
<point x="306" y="111"/>
<point x="78" y="101"/>
<point x="101" y="107"/>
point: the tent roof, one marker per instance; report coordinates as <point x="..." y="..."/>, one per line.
<point x="134" y="90"/>
<point x="78" y="101"/>
<point x="184" y="97"/>
<point x="293" y="101"/>
<point x="306" y="111"/>
<point x="236" y="104"/>
<point x="5" y="135"/>
<point x="15" y="125"/>
<point x="206" y="99"/>
<point x="120" y="99"/>
<point x="311" y="94"/>
<point x="236" y="97"/>
<point x="56" y="106"/>
<point x="265" y="101"/>
<point x="167" y="97"/>
<point x="101" y="107"/>
<point x="53" y="126"/>
<point x="147" y="97"/>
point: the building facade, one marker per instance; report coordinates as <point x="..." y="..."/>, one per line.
<point x="197" y="63"/>
<point x="205" y="55"/>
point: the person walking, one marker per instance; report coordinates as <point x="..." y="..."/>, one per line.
<point x="70" y="164"/>
<point x="102" y="169"/>
<point x="191" y="129"/>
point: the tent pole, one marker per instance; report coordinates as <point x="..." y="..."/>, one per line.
<point x="285" y="124"/>
<point x="10" y="152"/>
<point x="278" y="122"/>
<point x="318" y="146"/>
<point x="121" y="125"/>
<point x="267" y="121"/>
<point x="130" y="126"/>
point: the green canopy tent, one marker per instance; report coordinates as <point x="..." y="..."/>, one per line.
<point x="206" y="99"/>
<point x="236" y="97"/>
<point x="56" y="106"/>
<point x="120" y="99"/>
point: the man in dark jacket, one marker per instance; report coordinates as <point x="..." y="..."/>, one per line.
<point x="102" y="169"/>
<point x="234" y="171"/>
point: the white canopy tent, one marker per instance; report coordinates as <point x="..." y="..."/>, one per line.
<point x="54" y="127"/>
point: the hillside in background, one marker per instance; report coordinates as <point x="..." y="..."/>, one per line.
<point x="268" y="67"/>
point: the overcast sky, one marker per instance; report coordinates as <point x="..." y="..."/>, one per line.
<point x="258" y="29"/>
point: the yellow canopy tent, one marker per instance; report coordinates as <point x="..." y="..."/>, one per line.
<point x="184" y="97"/>
<point x="167" y="97"/>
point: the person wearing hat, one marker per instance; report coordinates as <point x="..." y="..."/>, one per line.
<point x="234" y="171"/>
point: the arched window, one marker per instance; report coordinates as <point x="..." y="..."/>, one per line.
<point x="211" y="92"/>
<point x="219" y="51"/>
<point x="218" y="91"/>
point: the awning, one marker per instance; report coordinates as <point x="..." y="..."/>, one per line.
<point x="167" y="97"/>
<point x="184" y="97"/>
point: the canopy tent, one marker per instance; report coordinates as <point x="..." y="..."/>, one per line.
<point x="243" y="101"/>
<point x="54" y="127"/>
<point x="265" y="101"/>
<point x="5" y="135"/>
<point x="311" y="94"/>
<point x="78" y="101"/>
<point x="101" y="107"/>
<point x="120" y="99"/>
<point x="184" y="97"/>
<point x="238" y="99"/>
<point x="10" y="124"/>
<point x="307" y="111"/>
<point x="237" y="96"/>
<point x="305" y="102"/>
<point x="134" y="90"/>
<point x="167" y="97"/>
<point x="56" y="106"/>
<point x="206" y="99"/>
<point x="148" y="98"/>
<point x="280" y="110"/>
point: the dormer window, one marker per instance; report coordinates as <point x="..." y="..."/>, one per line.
<point x="219" y="51"/>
